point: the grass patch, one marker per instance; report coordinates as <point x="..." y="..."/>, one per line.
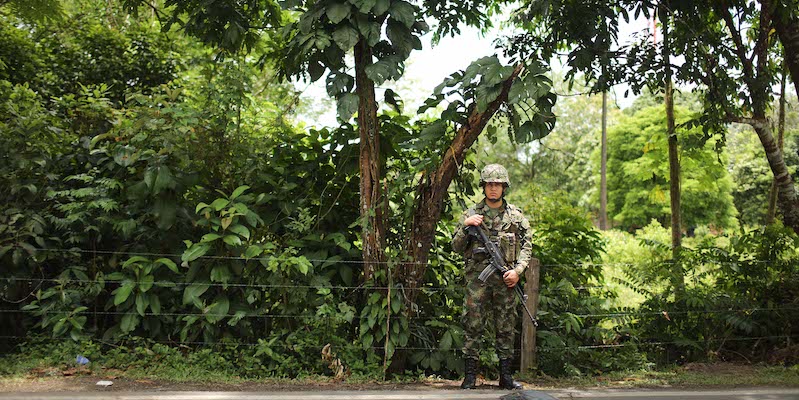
<point x="44" y="368"/>
<point x="689" y="376"/>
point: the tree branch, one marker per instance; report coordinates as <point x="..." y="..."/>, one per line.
<point x="753" y="122"/>
<point x="467" y="134"/>
<point x="749" y="73"/>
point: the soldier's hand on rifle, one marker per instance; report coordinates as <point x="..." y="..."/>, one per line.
<point x="511" y="278"/>
<point x="474" y="220"/>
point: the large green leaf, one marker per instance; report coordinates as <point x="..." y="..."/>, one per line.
<point x="494" y="72"/>
<point x="194" y="252"/>
<point x="124" y="155"/>
<point x="241" y="208"/>
<point x="240" y="230"/>
<point x="135" y="260"/>
<point x="232" y="240"/>
<point x="210" y="237"/>
<point x="339" y="83"/>
<point x="321" y="40"/>
<point x="303" y="265"/>
<point x="485" y="95"/>
<point x="446" y="342"/>
<point x="122" y="293"/>
<point x="193" y="292"/>
<point x="364" y="6"/>
<point x="402" y="39"/>
<point x="220" y="273"/>
<point x="220" y="203"/>
<point x="316" y="70"/>
<point x="218" y="309"/>
<point x="129" y="323"/>
<point x="347" y="106"/>
<point x="390" y="67"/>
<point x="163" y="179"/>
<point x="381" y="6"/>
<point x="346" y="274"/>
<point x="403" y="12"/>
<point x="146" y="282"/>
<point x="531" y="87"/>
<point x="238" y="191"/>
<point x="155" y="303"/>
<point x="169" y="264"/>
<point x="142" y="302"/>
<point x="253" y="251"/>
<point x="345" y="37"/>
<point x="308" y="19"/>
<point x="519" y="91"/>
<point x="336" y="12"/>
<point x="200" y="207"/>
<point x="165" y="208"/>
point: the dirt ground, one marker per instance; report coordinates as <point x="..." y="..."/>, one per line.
<point x="82" y="379"/>
<point x="89" y="384"/>
<point x="76" y="379"/>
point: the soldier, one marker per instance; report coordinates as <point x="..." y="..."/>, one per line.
<point x="493" y="299"/>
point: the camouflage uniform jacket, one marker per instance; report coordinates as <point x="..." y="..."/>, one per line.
<point x="510" y="230"/>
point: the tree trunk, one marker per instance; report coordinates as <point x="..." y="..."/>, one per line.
<point x="371" y="212"/>
<point x="786" y="198"/>
<point x="432" y="191"/>
<point x="678" y="279"/>
<point x="786" y="23"/>
<point x="603" y="184"/>
<point x="755" y="78"/>
<point x="772" y="195"/>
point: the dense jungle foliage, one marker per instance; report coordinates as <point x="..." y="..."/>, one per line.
<point x="163" y="202"/>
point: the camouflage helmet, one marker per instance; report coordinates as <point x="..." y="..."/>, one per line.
<point x="494" y="173"/>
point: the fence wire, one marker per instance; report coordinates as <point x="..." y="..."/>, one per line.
<point x="298" y="346"/>
<point x="167" y="284"/>
<point x="578" y="265"/>
<point x="634" y="341"/>
<point x="423" y="316"/>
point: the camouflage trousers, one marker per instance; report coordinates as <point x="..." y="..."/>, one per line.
<point x="489" y="301"/>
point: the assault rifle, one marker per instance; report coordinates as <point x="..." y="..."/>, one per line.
<point x="497" y="265"/>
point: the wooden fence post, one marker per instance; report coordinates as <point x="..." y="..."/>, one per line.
<point x="531" y="275"/>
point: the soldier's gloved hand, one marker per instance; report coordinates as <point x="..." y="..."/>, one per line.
<point x="474" y="220"/>
<point x="511" y="278"/>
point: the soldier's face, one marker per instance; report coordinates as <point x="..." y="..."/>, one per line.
<point x="493" y="190"/>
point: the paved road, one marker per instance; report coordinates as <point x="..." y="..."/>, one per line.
<point x="654" y="394"/>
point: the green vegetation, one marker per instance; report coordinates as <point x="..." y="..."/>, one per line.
<point x="217" y="367"/>
<point x="638" y="174"/>
<point x="166" y="214"/>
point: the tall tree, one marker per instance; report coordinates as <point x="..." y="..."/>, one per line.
<point x="319" y="41"/>
<point x="772" y="195"/>
<point x="755" y="61"/>
<point x="603" y="162"/>
<point x="727" y="51"/>
<point x="678" y="280"/>
<point x="786" y="23"/>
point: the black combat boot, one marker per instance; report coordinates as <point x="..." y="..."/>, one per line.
<point x="470" y="380"/>
<point x="505" y="376"/>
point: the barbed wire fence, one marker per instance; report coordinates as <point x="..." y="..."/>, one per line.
<point x="618" y="316"/>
